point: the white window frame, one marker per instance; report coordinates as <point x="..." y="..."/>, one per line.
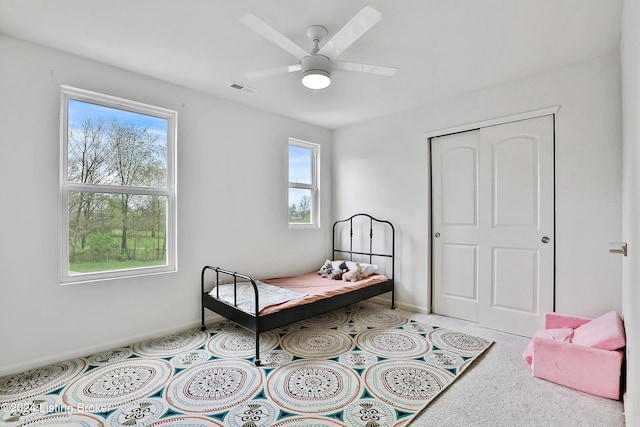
<point x="66" y="187"/>
<point x="314" y="186"/>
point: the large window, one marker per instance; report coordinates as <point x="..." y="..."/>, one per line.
<point x="303" y="183"/>
<point x="117" y="187"/>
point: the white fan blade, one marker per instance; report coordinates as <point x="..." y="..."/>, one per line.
<point x="364" y="68"/>
<point x="352" y="31"/>
<point x="268" y="32"/>
<point x="272" y="71"/>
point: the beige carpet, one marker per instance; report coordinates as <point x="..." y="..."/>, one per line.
<point x="502" y="393"/>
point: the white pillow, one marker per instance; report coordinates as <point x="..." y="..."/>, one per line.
<point x="367" y="269"/>
<point x="337" y="263"/>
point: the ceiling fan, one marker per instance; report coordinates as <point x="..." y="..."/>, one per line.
<point x="316" y="66"/>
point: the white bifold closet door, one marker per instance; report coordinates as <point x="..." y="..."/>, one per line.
<point x="493" y="225"/>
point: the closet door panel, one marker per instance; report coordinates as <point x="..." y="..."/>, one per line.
<point x="493" y="225"/>
<point x="517" y="269"/>
<point x="455" y="225"/>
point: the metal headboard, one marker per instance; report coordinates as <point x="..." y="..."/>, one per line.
<point x="370" y="254"/>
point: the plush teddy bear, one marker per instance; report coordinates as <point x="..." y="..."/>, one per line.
<point x="355" y="274"/>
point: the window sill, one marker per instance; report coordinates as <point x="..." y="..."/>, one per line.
<point x="104" y="277"/>
<point x="303" y="226"/>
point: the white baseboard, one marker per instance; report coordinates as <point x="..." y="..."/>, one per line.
<point x="402" y="305"/>
<point x="104" y="346"/>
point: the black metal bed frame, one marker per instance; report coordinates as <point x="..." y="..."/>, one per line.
<point x="261" y="323"/>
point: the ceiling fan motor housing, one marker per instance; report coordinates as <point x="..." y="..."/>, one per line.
<point x="315" y="66"/>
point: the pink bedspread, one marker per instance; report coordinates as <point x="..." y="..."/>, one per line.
<point x="316" y="287"/>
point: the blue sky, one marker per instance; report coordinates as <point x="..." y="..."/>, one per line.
<point x="299" y="164"/>
<point x="299" y="171"/>
<point x="78" y="110"/>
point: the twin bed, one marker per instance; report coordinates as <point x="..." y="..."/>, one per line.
<point x="262" y="305"/>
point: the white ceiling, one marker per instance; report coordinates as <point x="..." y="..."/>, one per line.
<point x="442" y="48"/>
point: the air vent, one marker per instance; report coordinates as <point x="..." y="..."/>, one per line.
<point x="242" y="88"/>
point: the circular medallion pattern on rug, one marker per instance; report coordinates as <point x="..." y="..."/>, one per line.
<point x="444" y="359"/>
<point x="392" y="343"/>
<point x="313" y="386"/>
<point x="352" y="328"/>
<point x="189" y="359"/>
<point x="241" y="343"/>
<point x="110" y="356"/>
<point x="171" y="345"/>
<point x="37" y="381"/>
<point x="308" y="422"/>
<point x="377" y="318"/>
<point x="214" y="386"/>
<point x="317" y="343"/>
<point x="419" y="328"/>
<point x="358" y="359"/>
<point x="292" y="327"/>
<point x="224" y="325"/>
<point x="138" y="413"/>
<point x="330" y="319"/>
<point x="458" y="342"/>
<point x="370" y="413"/>
<point x="118" y="383"/>
<point x="186" y="421"/>
<point x="406" y="384"/>
<point x="254" y="413"/>
<point x="273" y="358"/>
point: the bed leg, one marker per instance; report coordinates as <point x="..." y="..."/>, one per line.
<point x="257" y="362"/>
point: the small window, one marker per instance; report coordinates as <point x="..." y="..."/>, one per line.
<point x="117" y="187"/>
<point x="303" y="184"/>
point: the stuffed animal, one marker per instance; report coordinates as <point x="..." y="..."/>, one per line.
<point x="326" y="270"/>
<point x="338" y="273"/>
<point x="355" y="274"/>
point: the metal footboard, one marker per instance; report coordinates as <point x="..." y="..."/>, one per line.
<point x="251" y="322"/>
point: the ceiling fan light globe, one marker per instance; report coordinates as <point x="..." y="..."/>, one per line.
<point x="316" y="79"/>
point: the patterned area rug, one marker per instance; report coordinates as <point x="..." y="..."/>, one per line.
<point x="359" y="366"/>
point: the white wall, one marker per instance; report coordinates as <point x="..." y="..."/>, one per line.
<point x="379" y="167"/>
<point x="232" y="199"/>
<point x="630" y="59"/>
<point x="382" y="167"/>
